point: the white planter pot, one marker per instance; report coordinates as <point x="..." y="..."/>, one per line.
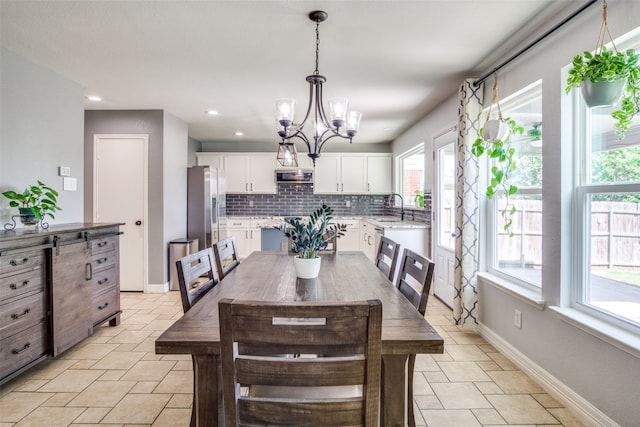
<point x="495" y="130"/>
<point x="602" y="94"/>
<point x="307" y="268"/>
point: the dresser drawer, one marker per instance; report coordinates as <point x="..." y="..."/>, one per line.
<point x="20" y="349"/>
<point x="103" y="244"/>
<point x="105" y="305"/>
<point x="21" y="314"/>
<point x="104" y="280"/>
<point x="14" y="263"/>
<point x="103" y="261"/>
<point x="20" y="284"/>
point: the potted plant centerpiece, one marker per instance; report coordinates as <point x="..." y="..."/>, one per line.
<point x="607" y="78"/>
<point x="307" y="238"/>
<point x="34" y="203"/>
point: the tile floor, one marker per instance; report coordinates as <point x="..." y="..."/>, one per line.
<point x="114" y="378"/>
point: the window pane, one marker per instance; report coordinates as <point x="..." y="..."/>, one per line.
<point x="614" y="242"/>
<point x="520" y="255"/>
<point x="447" y="195"/>
<point x="412" y="176"/>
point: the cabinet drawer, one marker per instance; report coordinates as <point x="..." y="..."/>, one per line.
<point x="21" y="314"/>
<point x="238" y="223"/>
<point x="11" y="264"/>
<point x="18" y="285"/>
<point x="20" y="349"/>
<point x="104" y="305"/>
<point x="103" y="261"/>
<point x="104" y="280"/>
<point x="103" y="244"/>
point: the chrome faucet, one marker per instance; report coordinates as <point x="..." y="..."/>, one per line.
<point x="401" y="204"/>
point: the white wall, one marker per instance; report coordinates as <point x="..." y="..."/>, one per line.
<point x="605" y="379"/>
<point x="41" y="128"/>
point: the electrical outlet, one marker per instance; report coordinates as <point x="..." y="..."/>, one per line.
<point x="348" y="203"/>
<point x="64" y="171"/>
<point x="517" y="319"/>
<point x="250" y="203"/>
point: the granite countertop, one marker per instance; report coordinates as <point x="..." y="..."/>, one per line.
<point x="375" y="220"/>
<point x="23" y="232"/>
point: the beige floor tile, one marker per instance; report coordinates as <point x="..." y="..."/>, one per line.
<point x="488" y="387"/>
<point x="119" y="360"/>
<point x="464" y="337"/>
<point x="187" y="365"/>
<point x="488" y="365"/>
<point x="49" y="369"/>
<point x="521" y="409"/>
<point x="90" y="351"/>
<point x="176" y="382"/>
<point x="50" y="417"/>
<point x="59" y="399"/>
<point x="30" y="385"/>
<point x="503" y="362"/>
<point x="463" y="371"/>
<point x="567" y="418"/>
<point x="488" y="416"/>
<point x="137" y="409"/>
<point x="112" y="375"/>
<point x="426" y="362"/>
<point x="420" y="384"/>
<point x="144" y="387"/>
<point x="73" y="380"/>
<point x="181" y="400"/>
<point x="173" y="417"/>
<point x="428" y="402"/>
<point x="83" y="364"/>
<point x="460" y="396"/>
<point x="130" y="337"/>
<point x="436" y="377"/>
<point x="450" y="418"/>
<point x="514" y="382"/>
<point x="14" y="406"/>
<point x="148" y="370"/>
<point x="92" y="416"/>
<point x="546" y="400"/>
<point x="466" y="353"/>
<point x="102" y="394"/>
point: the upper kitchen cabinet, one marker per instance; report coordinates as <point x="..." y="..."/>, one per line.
<point x="250" y="173"/>
<point x="210" y="159"/>
<point x="353" y="174"/>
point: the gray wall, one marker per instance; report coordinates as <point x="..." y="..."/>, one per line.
<point x="331" y="147"/>
<point x="40" y="129"/>
<point x="607" y="377"/>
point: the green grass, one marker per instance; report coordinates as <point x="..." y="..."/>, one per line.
<point x="629" y="277"/>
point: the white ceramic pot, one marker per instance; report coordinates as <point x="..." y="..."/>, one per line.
<point x="307" y="268"/>
<point x="495" y="130"/>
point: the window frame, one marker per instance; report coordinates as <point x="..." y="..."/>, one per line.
<point x="399" y="187"/>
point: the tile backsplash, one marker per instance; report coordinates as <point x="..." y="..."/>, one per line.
<point x="295" y="199"/>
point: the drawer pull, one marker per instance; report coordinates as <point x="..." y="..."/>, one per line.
<point x="22" y="285"/>
<point x="102" y="244"/>
<point x="17" y="315"/>
<point x="14" y="263"/>
<point x="102" y="260"/>
<point x="103" y="281"/>
<point x="102" y="307"/>
<point x="26" y="347"/>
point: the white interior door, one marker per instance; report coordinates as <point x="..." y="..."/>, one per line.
<point x="444" y="215"/>
<point x="120" y="195"/>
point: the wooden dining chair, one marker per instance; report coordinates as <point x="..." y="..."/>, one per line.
<point x="226" y="256"/>
<point x="414" y="281"/>
<point x="196" y="276"/>
<point x="387" y="256"/>
<point x="257" y="341"/>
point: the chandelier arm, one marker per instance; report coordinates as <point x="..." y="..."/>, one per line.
<point x="335" y="135"/>
<point x="320" y="107"/>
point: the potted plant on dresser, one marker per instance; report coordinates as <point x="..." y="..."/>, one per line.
<point x="308" y="238"/>
<point x="34" y="204"/>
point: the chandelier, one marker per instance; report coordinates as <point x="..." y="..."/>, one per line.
<point x="339" y="123"/>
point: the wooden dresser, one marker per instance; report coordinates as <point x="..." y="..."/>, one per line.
<point x="56" y="285"/>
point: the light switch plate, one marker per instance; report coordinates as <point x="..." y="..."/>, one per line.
<point x="64" y="171"/>
<point x="69" y="184"/>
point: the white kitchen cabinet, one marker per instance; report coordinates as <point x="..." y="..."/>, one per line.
<point x="250" y="173"/>
<point x="369" y="239"/>
<point x="213" y="160"/>
<point x="351" y="239"/>
<point x="379" y="174"/>
<point x="353" y="174"/>
<point x="326" y="178"/>
<point x="239" y="230"/>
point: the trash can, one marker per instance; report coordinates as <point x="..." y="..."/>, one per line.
<point x="179" y="248"/>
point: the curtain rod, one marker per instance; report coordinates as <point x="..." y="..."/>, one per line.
<point x="536" y="41"/>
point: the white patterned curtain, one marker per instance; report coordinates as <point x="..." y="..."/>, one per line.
<point x="465" y="300"/>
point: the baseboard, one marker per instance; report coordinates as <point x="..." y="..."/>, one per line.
<point x="588" y="414"/>
<point x="157" y="288"/>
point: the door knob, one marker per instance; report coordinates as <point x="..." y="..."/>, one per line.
<point x="138" y="222"/>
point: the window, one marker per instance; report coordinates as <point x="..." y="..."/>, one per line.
<point x="607" y="203"/>
<point x="411" y="173"/>
<point x="519" y="257"/>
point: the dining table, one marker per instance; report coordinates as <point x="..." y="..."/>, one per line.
<point x="271" y="276"/>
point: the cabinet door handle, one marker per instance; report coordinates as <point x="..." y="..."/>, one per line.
<point x="252" y="186"/>
<point x="88" y="271"/>
<point x="368" y="187"/>
<point x="102" y="244"/>
<point x="22" y="285"/>
<point x="102" y="260"/>
<point x="337" y="187"/>
<point x="102" y="307"/>
<point x="246" y="186"/>
<point x="26" y="347"/>
<point x="246" y="234"/>
<point x="103" y="281"/>
<point x="14" y="262"/>
<point x="19" y="315"/>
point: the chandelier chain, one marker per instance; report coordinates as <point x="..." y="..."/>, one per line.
<point x="316" y="72"/>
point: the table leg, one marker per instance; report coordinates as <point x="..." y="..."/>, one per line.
<point x="205" y="400"/>
<point x="392" y="410"/>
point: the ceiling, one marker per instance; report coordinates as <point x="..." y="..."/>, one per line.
<point x="395" y="60"/>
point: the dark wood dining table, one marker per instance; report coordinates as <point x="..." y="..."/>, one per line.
<point x="270" y="276"/>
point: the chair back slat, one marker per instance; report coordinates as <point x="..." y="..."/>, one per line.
<point x="289" y="385"/>
<point x="414" y="279"/>
<point x="196" y="277"/>
<point x="387" y="256"/>
<point x="226" y="256"/>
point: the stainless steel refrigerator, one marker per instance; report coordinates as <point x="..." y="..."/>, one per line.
<point x="206" y="205"/>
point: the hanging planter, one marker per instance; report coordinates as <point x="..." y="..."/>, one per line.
<point x="495" y="142"/>
<point x="607" y="78"/>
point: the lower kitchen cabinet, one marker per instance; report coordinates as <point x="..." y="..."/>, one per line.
<point x="56" y="285"/>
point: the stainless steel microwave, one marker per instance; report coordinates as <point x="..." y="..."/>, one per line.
<point x="294" y="175"/>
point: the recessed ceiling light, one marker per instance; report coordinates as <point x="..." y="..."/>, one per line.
<point x="94" y="98"/>
<point x="212" y="112"/>
<point x="238" y="133"/>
